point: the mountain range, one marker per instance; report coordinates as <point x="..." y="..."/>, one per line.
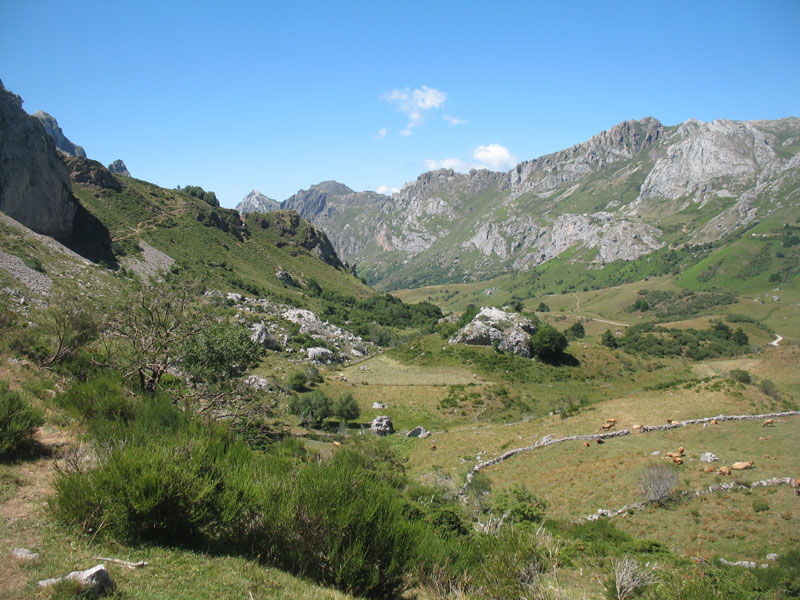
<point x="623" y="194"/>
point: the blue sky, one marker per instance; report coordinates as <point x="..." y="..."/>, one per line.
<point x="241" y="95"/>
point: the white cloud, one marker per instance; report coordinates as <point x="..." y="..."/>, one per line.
<point x="385" y="189"/>
<point x="494" y="157"/>
<point x="415" y="103"/>
<point x="447" y="163"/>
<point x="381" y="133"/>
<point x="454" y="120"/>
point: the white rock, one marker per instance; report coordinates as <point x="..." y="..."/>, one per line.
<point x="94" y="581"/>
<point x="708" y="457"/>
<point x="382" y="425"/>
<point x="24" y="554"/>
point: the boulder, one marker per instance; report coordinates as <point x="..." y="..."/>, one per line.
<point x="94" y="581"/>
<point x="90" y="172"/>
<point x="495" y="327"/>
<point x="321" y="355"/>
<point x="24" y="554"/>
<point x="708" y="457"/>
<point x="263" y="338"/>
<point x="379" y="405"/>
<point x="418" y="432"/>
<point x="382" y="425"/>
<point x="285" y="277"/>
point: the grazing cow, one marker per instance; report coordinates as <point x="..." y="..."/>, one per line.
<point x="724" y="471"/>
<point x="600" y="441"/>
<point x="713" y="421"/>
<point x="762" y="439"/>
<point x="709" y="470"/>
<point x="637" y="428"/>
<point x="796" y="485"/>
<point x="768" y="422"/>
<point x="677" y="461"/>
<point x="586" y="444"/>
<point x="611" y="421"/>
<point x="741" y="466"/>
<point x="680" y="451"/>
<point x="606" y="427"/>
<point x="337" y="444"/>
<point x="433" y="447"/>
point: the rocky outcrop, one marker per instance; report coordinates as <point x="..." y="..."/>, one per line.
<point x="494" y="327"/>
<point x="86" y="171"/>
<point x="54" y="131"/>
<point x="256" y="202"/>
<point x="382" y="425"/>
<point x="34" y="182"/>
<point x="316" y="328"/>
<point x="118" y="168"/>
<point x="91" y="582"/>
<point x="261" y="336"/>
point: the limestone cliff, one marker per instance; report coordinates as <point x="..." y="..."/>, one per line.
<point x="55" y="132"/>
<point x="34" y="181"/>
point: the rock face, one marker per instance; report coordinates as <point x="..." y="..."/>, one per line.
<point x="494" y="327"/>
<point x="261" y="336"/>
<point x="382" y="425"/>
<point x="118" y="168"/>
<point x="256" y="202"/>
<point x="604" y="199"/>
<point x="86" y="171"/>
<point x="54" y="131"/>
<point x="34" y="182"/>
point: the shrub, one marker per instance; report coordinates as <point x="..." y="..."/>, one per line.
<point x="760" y="506"/>
<point x="548" y="343"/>
<point x="219" y="352"/>
<point x="102" y="397"/>
<point x="657" y="481"/>
<point x="740" y="376"/>
<point x="577" y="331"/>
<point x="18" y="420"/>
<point x="768" y="387"/>
<point x="629" y="577"/>
<point x="521" y="505"/>
<point x="297" y="381"/>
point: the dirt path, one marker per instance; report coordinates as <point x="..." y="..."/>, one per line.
<point x="21" y="514"/>
<point x="776" y="341"/>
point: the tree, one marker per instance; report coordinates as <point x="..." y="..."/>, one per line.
<point x="542" y="307"/>
<point x="577" y="330"/>
<point x="312" y="408"/>
<point x="148" y="328"/>
<point x="346" y="407"/>
<point x="219" y="352"/>
<point x="740" y="337"/>
<point x="520" y="504"/>
<point x="609" y="339"/>
<point x="548" y="342"/>
<point x="517" y="306"/>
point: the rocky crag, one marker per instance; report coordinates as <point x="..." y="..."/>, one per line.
<point x="54" y="131"/>
<point x="256" y="202"/>
<point x="118" y="168"/>
<point x="34" y="181"/>
<point x="617" y="196"/>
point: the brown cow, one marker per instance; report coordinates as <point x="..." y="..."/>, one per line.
<point x="741" y="466"/>
<point x="586" y="444"/>
<point x="768" y="422"/>
<point x="600" y="441"/>
<point x="606" y="427"/>
<point x="796" y="485"/>
<point x="724" y="471"/>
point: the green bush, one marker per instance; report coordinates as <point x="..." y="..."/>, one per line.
<point x="520" y="503"/>
<point x="18" y="420"/>
<point x="313" y="408"/>
<point x="740" y="376"/>
<point x="102" y="397"/>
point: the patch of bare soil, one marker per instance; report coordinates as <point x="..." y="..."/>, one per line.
<point x="22" y="513"/>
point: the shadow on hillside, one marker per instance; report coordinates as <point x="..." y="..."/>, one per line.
<point x="561" y="360"/>
<point x="91" y="239"/>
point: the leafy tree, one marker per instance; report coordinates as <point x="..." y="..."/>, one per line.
<point x="577" y="330"/>
<point x="312" y="408"/>
<point x="313" y="288"/>
<point x="548" y="342"/>
<point x="609" y="339"/>
<point x="346" y="407"/>
<point x="517" y="306"/>
<point x="721" y="330"/>
<point x="741" y="376"/>
<point x="740" y="337"/>
<point x="219" y="352"/>
<point x="542" y="307"/>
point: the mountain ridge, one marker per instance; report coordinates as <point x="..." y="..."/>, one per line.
<point x="618" y="196"/>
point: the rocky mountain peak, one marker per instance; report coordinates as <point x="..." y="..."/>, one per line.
<point x="256" y="202"/>
<point x="332" y="187"/>
<point x="55" y="132"/>
<point x="118" y="168"/>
